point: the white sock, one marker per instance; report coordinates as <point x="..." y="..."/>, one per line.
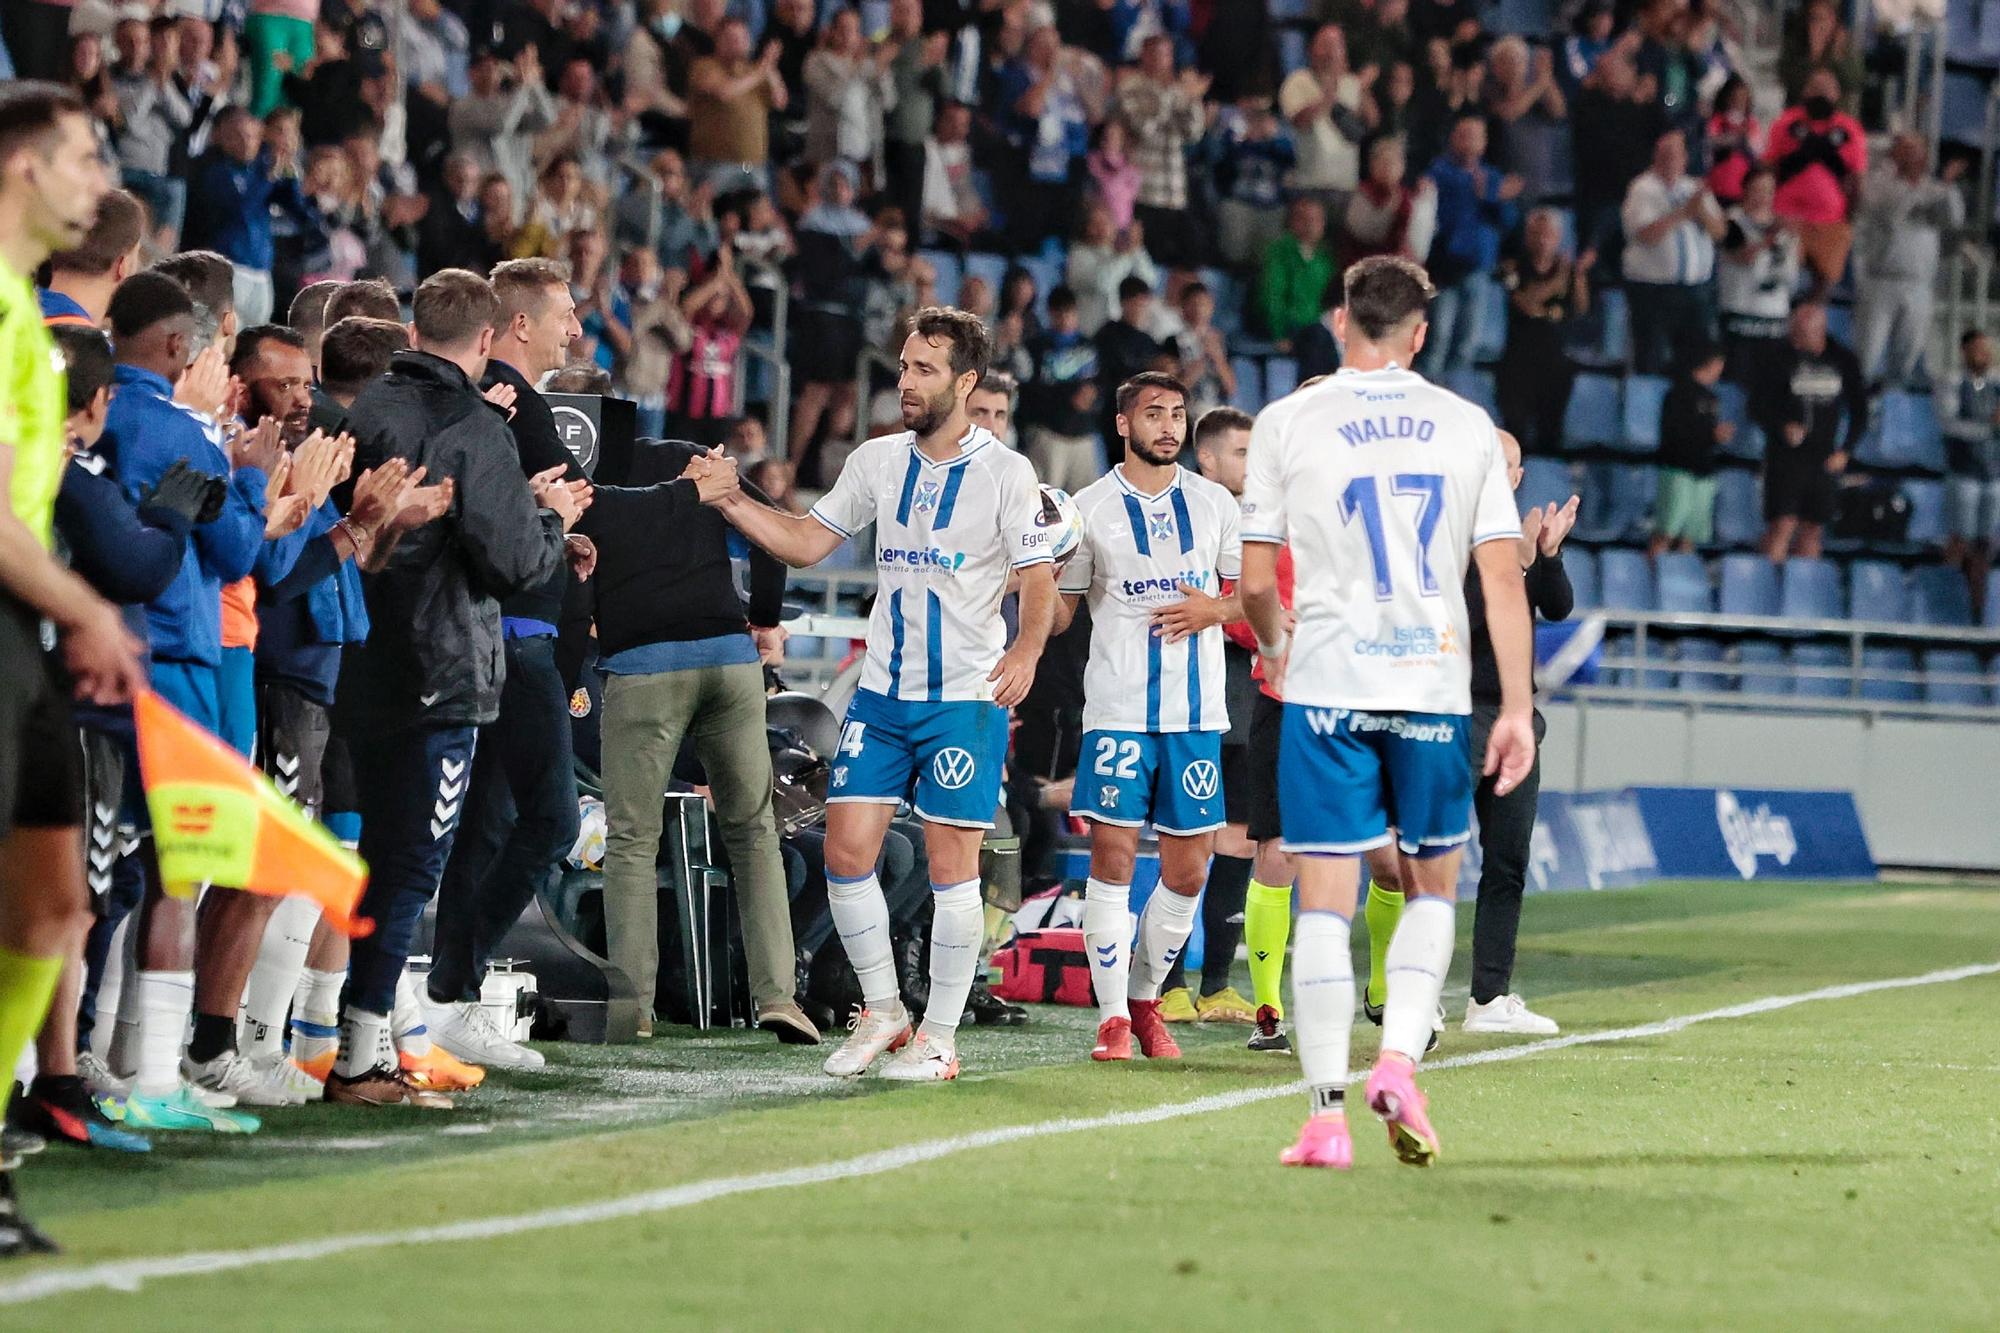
<point x="861" y="916"/>
<point x="406" y="1023"/>
<point x="1163" y="932"/>
<point x="1322" y="1005"/>
<point x="316" y="1015"/>
<point x="364" y="1043"/>
<point x="281" y="957"/>
<point x="166" y="1000"/>
<point x="1107" y="936"/>
<point x="111" y="991"/>
<point x="1413" y="969"/>
<point x="958" y="924"/>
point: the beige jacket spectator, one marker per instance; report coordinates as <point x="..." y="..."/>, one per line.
<point x="1329" y="116"/>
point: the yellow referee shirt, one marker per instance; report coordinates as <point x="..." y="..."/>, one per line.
<point x="34" y="404"/>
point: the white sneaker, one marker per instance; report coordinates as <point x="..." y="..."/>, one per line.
<point x="924" y="1060"/>
<point x="298" y="1086"/>
<point x="464" y="1028"/>
<point x="97" y="1076"/>
<point x="870" y="1034"/>
<point x="237" y="1078"/>
<point x="1510" y="1015"/>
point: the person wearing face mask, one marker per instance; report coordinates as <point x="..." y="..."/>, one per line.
<point x="1819" y="153"/>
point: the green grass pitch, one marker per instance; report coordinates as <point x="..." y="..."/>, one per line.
<point x="1832" y="1164"/>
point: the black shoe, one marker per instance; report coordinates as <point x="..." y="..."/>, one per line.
<point x="18" y="1236"/>
<point x="1270" y="1033"/>
<point x="1373" y="1013"/>
<point x="912" y="956"/>
<point x="988" y="1010"/>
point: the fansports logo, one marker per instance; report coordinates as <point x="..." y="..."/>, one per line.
<point x="952" y="768"/>
<point x="1201" y="780"/>
<point x="911" y="557"/>
<point x="1749" y="834"/>
<point x="1327" y="722"/>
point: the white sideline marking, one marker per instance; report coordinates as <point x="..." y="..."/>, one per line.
<point x="128" y="1274"/>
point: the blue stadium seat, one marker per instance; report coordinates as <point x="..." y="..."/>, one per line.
<point x="1820" y="655"/>
<point x="1610" y="328"/>
<point x="1906" y="434"/>
<point x="1991" y="618"/>
<point x="1749" y="586"/>
<point x="1683" y="584"/>
<point x="1475" y="386"/>
<point x="1764" y="669"/>
<point x="1927" y="526"/>
<point x="1810" y="590"/>
<point x="1840" y="323"/>
<point x="1876" y="590"/>
<point x="1527" y="18"/>
<point x="1630" y="490"/>
<point x="1291" y="49"/>
<point x="1283" y="11"/>
<point x="1696" y="652"/>
<point x="1953" y="676"/>
<point x="1545" y="481"/>
<point x="1249" y="383"/>
<point x="1661" y="676"/>
<point x="1643" y="396"/>
<point x="1228" y="294"/>
<point x="1882" y="660"/>
<point x="1625" y="579"/>
<point x="1739" y="508"/>
<point x="1493" y="324"/>
<point x="993" y="268"/>
<point x="1939" y="597"/>
<point x="950" y="274"/>
<point x="1281" y="376"/>
<point x="1748" y="442"/>
<point x="1580" y="563"/>
<point x="1594" y="416"/>
<point x="1048" y="275"/>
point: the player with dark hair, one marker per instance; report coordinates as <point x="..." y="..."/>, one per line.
<point x="83" y="276"/>
<point x="1376" y="470"/>
<point x="210" y="281"/>
<point x="956" y="516"/>
<point x="1159" y="551"/>
<point x="355" y="351"/>
<point x="372" y="297"/>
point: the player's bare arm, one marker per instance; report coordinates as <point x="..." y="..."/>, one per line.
<point x="1015" y="672"/>
<point x="797" y="539"/>
<point x="1199" y="611"/>
<point x="1510" y="753"/>
<point x="1257" y="592"/>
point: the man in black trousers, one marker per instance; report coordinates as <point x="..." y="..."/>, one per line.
<point x="520" y="817"/>
<point x="1507" y="823"/>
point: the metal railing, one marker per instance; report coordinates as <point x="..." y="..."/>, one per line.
<point x="771" y="353"/>
<point x="871" y="358"/>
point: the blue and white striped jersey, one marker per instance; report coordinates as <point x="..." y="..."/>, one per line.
<point x="1137" y="550"/>
<point x="946" y="537"/>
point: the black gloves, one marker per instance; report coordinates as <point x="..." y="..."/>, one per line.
<point x="183" y="498"/>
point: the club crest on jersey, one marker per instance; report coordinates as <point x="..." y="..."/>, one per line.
<point x="927" y="496"/>
<point x="1201" y="779"/>
<point x="1160" y="527"/>
<point x="952" y="768"/>
<point x="1107" y="796"/>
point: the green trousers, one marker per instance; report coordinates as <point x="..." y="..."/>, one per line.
<point x="721" y="710"/>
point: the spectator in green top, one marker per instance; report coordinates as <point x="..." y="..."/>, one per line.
<point x="1297" y="268"/>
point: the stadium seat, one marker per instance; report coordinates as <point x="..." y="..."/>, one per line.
<point x="1682" y="584"/>
<point x="1763" y="668"/>
<point x="1291" y="49"/>
<point x="1749" y="586"/>
<point x="1810" y="590"/>
<point x="1284" y="11"/>
<point x="1739" y="508"/>
<point x="1249" y="383"/>
<point x="1527" y="18"/>
<point x="1877" y="591"/>
<point x="1610" y="325"/>
<point x="1493" y="325"/>
<point x="1580" y="563"/>
<point x="1927" y="527"/>
<point x="1281" y="376"/>
<point x="950" y="274"/>
<point x="1228" y="294"/>
<point x="1939" y="597"/>
<point x="1991" y="618"/>
<point x="1624" y="495"/>
<point x="1625" y="579"/>
<point x="1593" y="417"/>
<point x="1825" y="657"/>
<point x="1906" y="434"/>
<point x="1840" y="323"/>
<point x="991" y="267"/>
<point x="1659" y="659"/>
<point x="1886" y="673"/>
<point x="1748" y="442"/>
<point x="1696" y="652"/>
<point x="1643" y="396"/>
<point x="1545" y="481"/>
<point x="1475" y="386"/>
<point x="1048" y="275"/>
<point x="1953" y="676"/>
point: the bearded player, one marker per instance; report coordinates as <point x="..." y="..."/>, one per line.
<point x="1159" y="545"/>
<point x="1407" y="485"/>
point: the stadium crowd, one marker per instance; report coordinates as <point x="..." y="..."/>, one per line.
<point x="303" y="257"/>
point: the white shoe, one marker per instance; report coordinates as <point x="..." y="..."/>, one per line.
<point x="1507" y="1014"/>
<point x="924" y="1060"/>
<point x="870" y="1034"/>
<point x="235" y="1077"/>
<point x="464" y="1028"/>
<point x="97" y="1076"/>
<point x="298" y="1086"/>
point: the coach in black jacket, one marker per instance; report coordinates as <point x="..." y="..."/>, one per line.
<point x="412" y="698"/>
<point x="520" y="817"/>
<point x="1507" y="823"/>
<point x="681" y="662"/>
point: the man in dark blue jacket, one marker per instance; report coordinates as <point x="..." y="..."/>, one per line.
<point x="230" y="203"/>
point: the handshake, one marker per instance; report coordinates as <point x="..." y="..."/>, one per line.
<point x="714" y="477"/>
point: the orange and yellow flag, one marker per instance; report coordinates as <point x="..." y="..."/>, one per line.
<point x="217" y="820"/>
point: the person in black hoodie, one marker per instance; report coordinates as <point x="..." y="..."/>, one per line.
<point x="681" y="663"/>
<point x="1813" y="405"/>
<point x="1691" y="430"/>
<point x="412" y="698"/>
<point x="520" y="815"/>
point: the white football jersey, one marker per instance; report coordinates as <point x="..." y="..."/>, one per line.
<point x="1383" y="483"/>
<point x="1136" y="551"/>
<point x="946" y="537"/>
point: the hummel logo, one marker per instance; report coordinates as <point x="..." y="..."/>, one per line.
<point x="288" y="764"/>
<point x="452" y="768"/>
<point x="428" y="699"/>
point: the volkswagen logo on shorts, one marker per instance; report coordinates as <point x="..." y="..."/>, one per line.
<point x="1200" y="780"/>
<point x="952" y="768"/>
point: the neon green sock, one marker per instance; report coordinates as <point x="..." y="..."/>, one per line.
<point x="27" y="984"/>
<point x="1267" y="924"/>
<point x="1384" y="910"/>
